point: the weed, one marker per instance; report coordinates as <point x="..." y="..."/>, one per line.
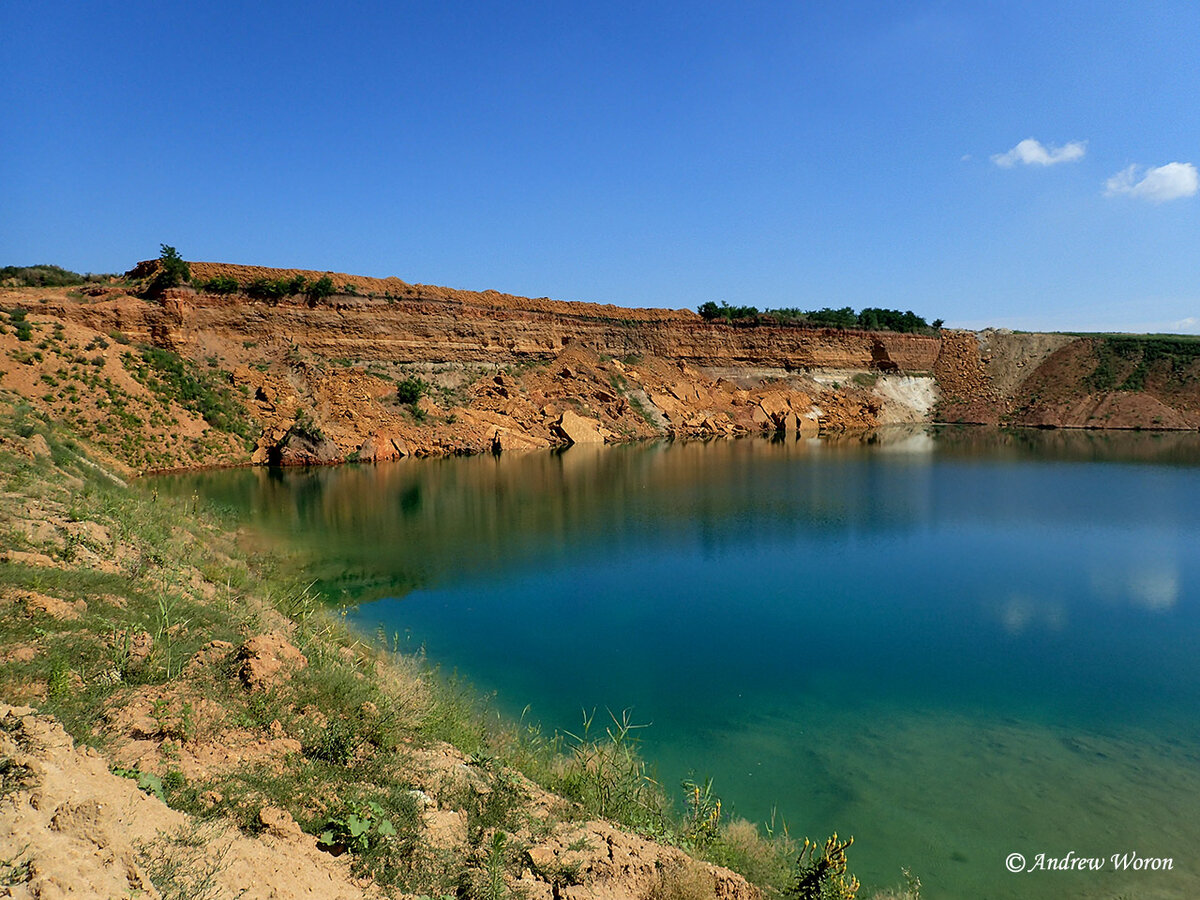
<point x="498" y="807"/>
<point x="605" y="774"/>
<point x="169" y="625"/>
<point x="494" y="887"/>
<point x="14" y="870"/>
<point x="13" y="776"/>
<point x="59" y="684"/>
<point x="822" y="874"/>
<point x="681" y="881"/>
<point x="186" y="865"/>
<point x="703" y="822"/>
<point x="146" y="781"/>
<point x="357" y="831"/>
<point x="765" y="861"/>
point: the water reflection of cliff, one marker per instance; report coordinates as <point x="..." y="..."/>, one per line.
<point x="1072" y="444"/>
<point x="386" y="529"/>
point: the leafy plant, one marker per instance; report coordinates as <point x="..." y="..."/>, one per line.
<point x="359" y="830"/>
<point x="146" y="781"/>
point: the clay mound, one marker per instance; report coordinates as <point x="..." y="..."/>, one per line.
<point x="397" y="288"/>
<point x="70" y="826"/>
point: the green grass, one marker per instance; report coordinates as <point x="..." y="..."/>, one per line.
<point x="1124" y="362"/>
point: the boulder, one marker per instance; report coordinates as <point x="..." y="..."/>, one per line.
<point x="577" y="430"/>
<point x="382" y="447"/>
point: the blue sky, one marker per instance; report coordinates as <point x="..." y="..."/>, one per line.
<point x="646" y="154"/>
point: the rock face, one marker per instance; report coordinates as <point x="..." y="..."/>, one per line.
<point x="422" y="323"/>
<point x="1061" y="381"/>
<point x="502" y="373"/>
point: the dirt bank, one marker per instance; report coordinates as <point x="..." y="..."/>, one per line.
<point x="1065" y="381"/>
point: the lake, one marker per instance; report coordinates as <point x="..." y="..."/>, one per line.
<point x="953" y="644"/>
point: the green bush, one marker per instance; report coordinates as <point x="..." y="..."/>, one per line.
<point x="16" y="318"/>
<point x="222" y="284"/>
<point x="319" y="289"/>
<point x="306" y="427"/>
<point x="411" y="389"/>
<point x="269" y="289"/>
<point x="711" y="311"/>
<point x="821" y="873"/>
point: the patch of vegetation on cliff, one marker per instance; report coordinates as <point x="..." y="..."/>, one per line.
<point x="869" y="319"/>
<point x="1125" y="361"/>
<point x="44" y="275"/>
<point x="274" y="290"/>
<point x="173" y="378"/>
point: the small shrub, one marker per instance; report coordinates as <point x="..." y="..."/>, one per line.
<point x="305" y="426"/>
<point x="319" y="289"/>
<point x="267" y="289"/>
<point x="411" y="389"/>
<point x="336" y="744"/>
<point x="222" y="284"/>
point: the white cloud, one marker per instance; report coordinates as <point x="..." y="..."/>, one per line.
<point x="1169" y="182"/>
<point x="1031" y="153"/>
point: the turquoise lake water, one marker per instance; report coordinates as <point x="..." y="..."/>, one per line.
<point x="953" y="645"/>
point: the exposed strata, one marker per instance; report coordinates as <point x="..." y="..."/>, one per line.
<point x="400" y="322"/>
<point x="510" y="373"/>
